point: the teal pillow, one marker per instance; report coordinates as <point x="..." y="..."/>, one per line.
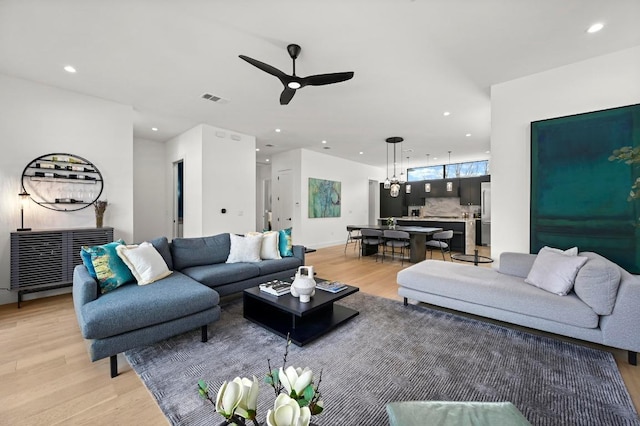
<point x="86" y="261"/>
<point x="285" y="244"/>
<point x="111" y="271"/>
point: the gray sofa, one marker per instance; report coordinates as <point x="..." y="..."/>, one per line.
<point x="603" y="306"/>
<point x="131" y="315"/>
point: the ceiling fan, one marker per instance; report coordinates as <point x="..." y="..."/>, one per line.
<point x="292" y="82"/>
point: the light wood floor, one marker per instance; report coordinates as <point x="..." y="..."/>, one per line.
<point x="46" y="377"/>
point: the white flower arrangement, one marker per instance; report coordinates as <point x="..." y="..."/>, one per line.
<point x="297" y="399"/>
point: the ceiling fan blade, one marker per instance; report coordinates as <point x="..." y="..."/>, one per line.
<point x="266" y="68"/>
<point x="286" y="95"/>
<point x="322" y="79"/>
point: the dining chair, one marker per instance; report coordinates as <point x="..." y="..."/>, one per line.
<point x="371" y="237"/>
<point x="441" y="240"/>
<point x="353" y="236"/>
<point x="395" y="239"/>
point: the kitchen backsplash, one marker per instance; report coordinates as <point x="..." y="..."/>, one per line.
<point x="444" y="207"/>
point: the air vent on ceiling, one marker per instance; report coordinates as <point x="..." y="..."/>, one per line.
<point x="270" y="145"/>
<point x="214" y="98"/>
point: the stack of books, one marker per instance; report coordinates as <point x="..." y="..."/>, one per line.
<point x="331" y="286"/>
<point x="276" y="287"/>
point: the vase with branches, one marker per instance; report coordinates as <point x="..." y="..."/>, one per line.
<point x="100" y="206"/>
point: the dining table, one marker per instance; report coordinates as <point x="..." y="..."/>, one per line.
<point x="417" y="239"/>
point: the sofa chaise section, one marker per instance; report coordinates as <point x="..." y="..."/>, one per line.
<point x="133" y="315"/>
<point x="505" y="296"/>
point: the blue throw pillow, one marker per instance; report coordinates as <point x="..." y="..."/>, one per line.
<point x="285" y="243"/>
<point x="111" y="271"/>
<point x="86" y="261"/>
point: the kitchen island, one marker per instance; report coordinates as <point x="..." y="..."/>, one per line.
<point x="464" y="229"/>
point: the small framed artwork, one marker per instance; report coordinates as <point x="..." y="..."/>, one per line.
<point x="427" y="187"/>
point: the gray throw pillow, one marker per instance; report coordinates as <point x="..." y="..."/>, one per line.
<point x="597" y="283"/>
<point x="162" y="245"/>
<point x="555" y="272"/>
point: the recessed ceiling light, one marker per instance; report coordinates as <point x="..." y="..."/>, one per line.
<point x="361" y="152"/>
<point x="595" y="27"/>
<point x="267" y="160"/>
<point x="435" y="158"/>
<point x="446" y="113"/>
<point x="468" y="135"/>
<point x="324" y="141"/>
<point x="155" y="129"/>
<point x="257" y="149"/>
<point x="278" y="130"/>
<point x="70" y="69"/>
<point x="487" y="152"/>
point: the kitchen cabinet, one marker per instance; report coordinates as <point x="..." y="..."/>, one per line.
<point x="439" y="188"/>
<point x="470" y="189"/>
<point x="416" y="197"/>
<point x="390" y="206"/>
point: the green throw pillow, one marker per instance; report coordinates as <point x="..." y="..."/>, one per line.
<point x="110" y="270"/>
<point x="285" y="243"/>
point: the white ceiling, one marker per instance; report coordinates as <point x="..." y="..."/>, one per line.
<point x="412" y="60"/>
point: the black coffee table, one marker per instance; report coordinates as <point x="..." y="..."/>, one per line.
<point x="303" y="322"/>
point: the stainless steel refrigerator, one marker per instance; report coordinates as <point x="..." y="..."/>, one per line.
<point x="485" y="212"/>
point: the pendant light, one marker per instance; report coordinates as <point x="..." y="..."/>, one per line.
<point x="394" y="188"/>
<point x="403" y="177"/>
<point x="449" y="184"/>
<point x="387" y="182"/>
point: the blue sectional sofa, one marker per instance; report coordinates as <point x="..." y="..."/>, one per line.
<point x="136" y="315"/>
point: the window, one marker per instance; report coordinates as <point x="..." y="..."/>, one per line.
<point x="470" y="169"/>
<point x="425" y="173"/>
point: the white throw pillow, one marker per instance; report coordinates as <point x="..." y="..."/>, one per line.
<point x="269" y="248"/>
<point x="555" y="272"/>
<point x="244" y="249"/>
<point x="144" y="261"/>
<point x="270" y="244"/>
<point x="573" y="251"/>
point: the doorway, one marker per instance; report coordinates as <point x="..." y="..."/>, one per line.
<point x="266" y="206"/>
<point x="283" y="200"/>
<point x="178" y="199"/>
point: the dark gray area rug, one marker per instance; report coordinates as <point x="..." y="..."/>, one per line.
<point x="392" y="353"/>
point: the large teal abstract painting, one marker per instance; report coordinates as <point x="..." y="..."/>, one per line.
<point x="324" y="198"/>
<point x="578" y="196"/>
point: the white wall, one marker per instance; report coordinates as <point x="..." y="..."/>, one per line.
<point x="228" y="181"/>
<point x="219" y="173"/>
<point x="150" y="210"/>
<point x="35" y="120"/>
<point x="354" y="178"/>
<point x="600" y="83"/>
